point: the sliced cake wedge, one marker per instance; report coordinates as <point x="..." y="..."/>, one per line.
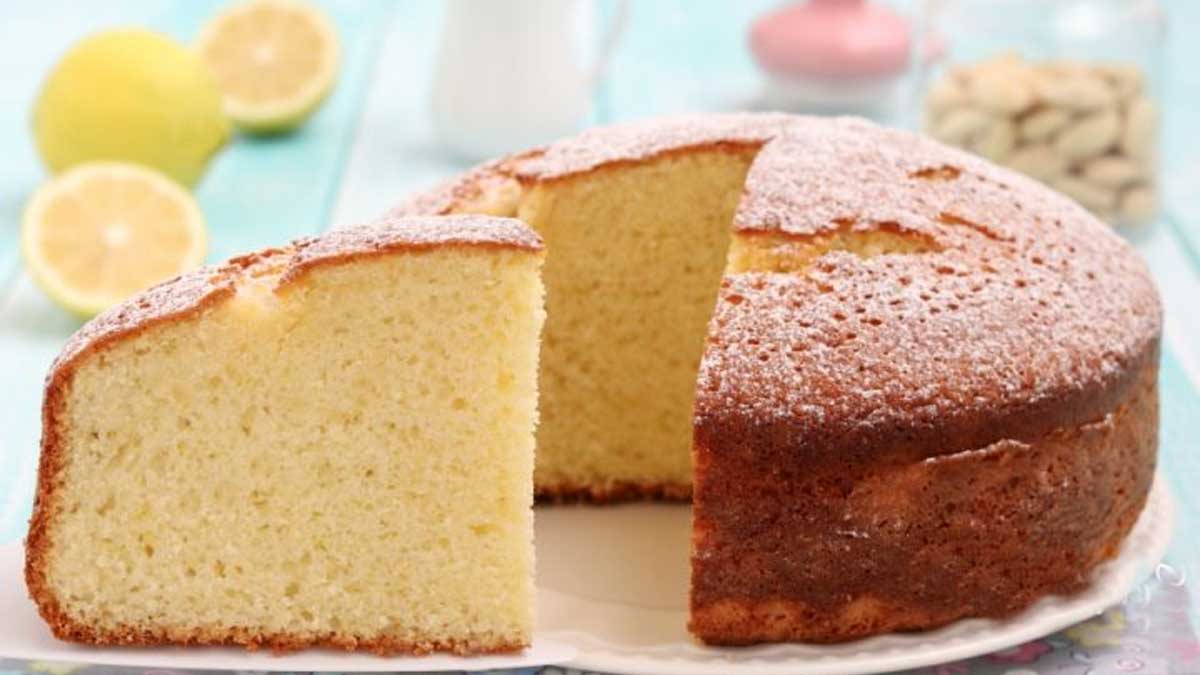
<point x="325" y="444"/>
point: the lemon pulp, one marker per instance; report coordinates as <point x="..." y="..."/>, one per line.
<point x="275" y="61"/>
<point x="100" y="232"/>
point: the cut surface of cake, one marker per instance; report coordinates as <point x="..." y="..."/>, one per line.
<point x="927" y="390"/>
<point x="325" y="444"/>
<point x="636" y="220"/>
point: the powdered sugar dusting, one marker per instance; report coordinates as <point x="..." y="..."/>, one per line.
<point x="626" y="142"/>
<point x="643" y="139"/>
<point x="823" y="171"/>
<point x="1031" y="313"/>
<point x="192" y="291"/>
<point x="1032" y="310"/>
<point x="172" y="298"/>
<point x="442" y="197"/>
<point x="396" y="232"/>
<point x="466" y="188"/>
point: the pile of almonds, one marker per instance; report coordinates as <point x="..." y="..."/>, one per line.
<point x="1088" y="130"/>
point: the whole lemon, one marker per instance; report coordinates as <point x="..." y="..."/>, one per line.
<point x="131" y="95"/>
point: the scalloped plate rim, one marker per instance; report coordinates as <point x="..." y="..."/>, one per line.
<point x="963" y="639"/>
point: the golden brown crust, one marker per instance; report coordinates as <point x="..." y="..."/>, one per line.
<point x="412" y="234"/>
<point x="471" y="188"/>
<point x="641" y="140"/>
<point x="1009" y="312"/>
<point x="276" y="642"/>
<point x="603" y="148"/>
<point x="193" y="293"/>
<point x="528" y="178"/>
<point x="172" y="300"/>
<point x="877" y="547"/>
<point x="782" y="351"/>
<point x="611" y="492"/>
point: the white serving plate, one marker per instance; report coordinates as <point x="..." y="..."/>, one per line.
<point x="613" y="582"/>
<point x="612" y="590"/>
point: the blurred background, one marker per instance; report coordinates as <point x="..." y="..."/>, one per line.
<point x="1099" y="98"/>
<point x="374" y="139"/>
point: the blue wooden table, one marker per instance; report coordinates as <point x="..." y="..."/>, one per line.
<point x="372" y="143"/>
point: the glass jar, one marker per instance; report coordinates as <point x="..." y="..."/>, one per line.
<point x="1066" y="91"/>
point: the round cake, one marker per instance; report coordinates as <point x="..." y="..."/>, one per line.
<point x="900" y="385"/>
<point x="927" y="390"/>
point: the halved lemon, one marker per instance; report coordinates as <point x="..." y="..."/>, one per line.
<point x="98" y="233"/>
<point x="275" y="62"/>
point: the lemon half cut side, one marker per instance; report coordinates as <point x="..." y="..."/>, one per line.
<point x="102" y="231"/>
<point x="275" y="61"/>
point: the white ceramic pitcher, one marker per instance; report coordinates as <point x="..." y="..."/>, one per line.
<point x="508" y="75"/>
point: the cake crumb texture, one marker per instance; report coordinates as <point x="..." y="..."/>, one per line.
<point x="328" y="444"/>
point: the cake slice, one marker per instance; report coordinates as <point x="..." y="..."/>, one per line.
<point x="328" y="444"/>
